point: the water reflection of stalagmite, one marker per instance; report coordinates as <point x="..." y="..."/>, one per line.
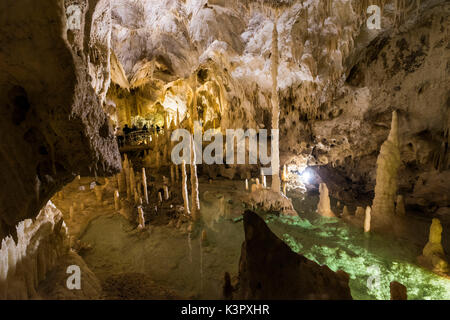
<point x="388" y="164"/>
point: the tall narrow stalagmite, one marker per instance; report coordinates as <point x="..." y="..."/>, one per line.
<point x="388" y="164"/>
<point x="400" y="206"/>
<point x="276" y="184"/>
<point x="132" y="181"/>
<point x="195" y="210"/>
<point x="141" y="218"/>
<point x="116" y="200"/>
<point x="324" y="207"/>
<point x="144" y="185"/>
<point x="184" y="189"/>
<point x="166" y="193"/>
<point x="126" y="168"/>
<point x="367" y="220"/>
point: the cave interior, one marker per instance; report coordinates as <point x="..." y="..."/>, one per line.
<point x="225" y="149"/>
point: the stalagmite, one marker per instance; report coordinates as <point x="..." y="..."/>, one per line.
<point x="246" y="184"/>
<point x="400" y="206"/>
<point x="195" y="210"/>
<point x="166" y="193"/>
<point x="276" y="185"/>
<point x="71" y="213"/>
<point x="177" y="173"/>
<point x="387" y="166"/>
<point x="132" y="181"/>
<point x="144" y="185"/>
<point x="284" y="175"/>
<point x="367" y="219"/>
<point x="263" y="180"/>
<point x="172" y="174"/>
<point x="324" y="207"/>
<point x="398" y="291"/>
<point x="116" y="200"/>
<point x="98" y="193"/>
<point x="126" y="169"/>
<point x="141" y="218"/>
<point x="136" y="196"/>
<point x="345" y="212"/>
<point x="184" y="189"/>
<point x="433" y="255"/>
<point x="160" y="198"/>
<point x="360" y="212"/>
<point x="25" y="262"/>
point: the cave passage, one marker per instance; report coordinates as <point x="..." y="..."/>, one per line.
<point x="224" y="150"/>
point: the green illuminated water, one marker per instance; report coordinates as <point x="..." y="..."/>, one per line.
<point x="371" y="261"/>
<point x="175" y="260"/>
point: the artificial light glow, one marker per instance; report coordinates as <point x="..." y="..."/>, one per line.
<point x="305" y="176"/>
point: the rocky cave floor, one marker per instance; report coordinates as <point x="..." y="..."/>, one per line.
<point x="170" y="259"/>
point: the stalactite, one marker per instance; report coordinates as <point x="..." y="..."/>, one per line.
<point x="388" y="164"/>
<point x="160" y="197"/>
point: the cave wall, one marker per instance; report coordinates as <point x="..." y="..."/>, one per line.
<point x="404" y="69"/>
<point x="52" y="122"/>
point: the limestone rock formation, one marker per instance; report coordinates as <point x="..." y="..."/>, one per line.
<point x="269" y="269"/>
<point x="388" y="164"/>
<point x="25" y="263"/>
<point x="398" y="291"/>
<point x="324" y="207"/>
<point x="53" y="123"/>
<point x="433" y="255"/>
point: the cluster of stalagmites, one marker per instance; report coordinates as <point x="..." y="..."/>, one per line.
<point x="135" y="186"/>
<point x="267" y="199"/>
<point x="40" y="244"/>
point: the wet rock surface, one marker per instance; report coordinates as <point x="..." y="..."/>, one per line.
<point x="276" y="272"/>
